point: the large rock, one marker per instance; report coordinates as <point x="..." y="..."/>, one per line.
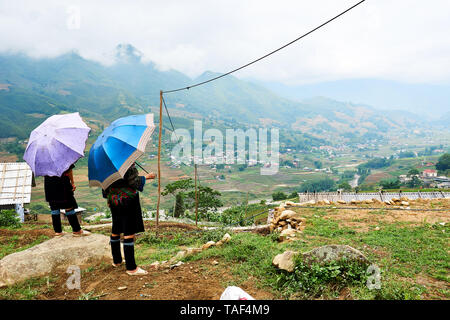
<point x="287" y="234"/>
<point x="53" y="254"/>
<point x="333" y="252"/>
<point x="324" y="254"/>
<point x="286" y="214"/>
<point x="285" y="260"/>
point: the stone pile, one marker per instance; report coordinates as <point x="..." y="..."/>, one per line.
<point x="287" y="222"/>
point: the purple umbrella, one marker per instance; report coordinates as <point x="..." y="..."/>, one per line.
<point x="56" y="144"/>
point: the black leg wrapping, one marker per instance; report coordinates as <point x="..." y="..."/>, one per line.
<point x="115" y="249"/>
<point x="56" y="220"/>
<point x="128" y="249"/>
<point x="73" y="220"/>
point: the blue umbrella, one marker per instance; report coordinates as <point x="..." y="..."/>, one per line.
<point x="117" y="148"/>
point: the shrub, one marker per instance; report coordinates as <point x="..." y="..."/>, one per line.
<point x="276" y="196"/>
<point x="9" y="218"/>
<point x="311" y="280"/>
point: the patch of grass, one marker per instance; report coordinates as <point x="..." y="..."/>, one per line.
<point x="13" y="245"/>
<point x="27" y="290"/>
<point x="319" y="226"/>
<point x="390" y="290"/>
<point x="414" y="249"/>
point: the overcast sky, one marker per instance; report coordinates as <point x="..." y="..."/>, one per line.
<point x="404" y="40"/>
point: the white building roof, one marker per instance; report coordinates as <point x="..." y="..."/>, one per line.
<point x="15" y="183"/>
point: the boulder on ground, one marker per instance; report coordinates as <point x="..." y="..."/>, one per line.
<point x="368" y="201"/>
<point x="226" y="237"/>
<point x="327" y="202"/>
<point x="54" y="254"/>
<point x="324" y="254"/>
<point x="404" y="203"/>
<point x="208" y="245"/>
<point x="285" y="260"/>
<point x="330" y="253"/>
<point x="341" y="201"/>
<point x="287" y="234"/>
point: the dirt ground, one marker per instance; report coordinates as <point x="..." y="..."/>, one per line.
<point x="25" y="237"/>
<point x="196" y="280"/>
<point x="363" y="219"/>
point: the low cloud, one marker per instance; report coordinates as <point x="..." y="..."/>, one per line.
<point x="405" y="40"/>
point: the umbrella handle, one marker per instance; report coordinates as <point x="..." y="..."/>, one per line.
<point x="141" y="167"/>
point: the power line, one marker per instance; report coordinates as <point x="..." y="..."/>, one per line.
<point x="170" y="119"/>
<point x="266" y="55"/>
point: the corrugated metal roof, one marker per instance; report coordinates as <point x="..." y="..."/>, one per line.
<point x="15" y="183"/>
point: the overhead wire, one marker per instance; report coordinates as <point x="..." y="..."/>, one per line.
<point x="266" y="55"/>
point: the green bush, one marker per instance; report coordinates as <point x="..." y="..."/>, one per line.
<point x="9" y="218"/>
<point x="277" y="196"/>
<point x="311" y="280"/>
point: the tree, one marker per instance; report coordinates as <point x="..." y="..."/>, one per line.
<point x="390" y="183"/>
<point x="177" y="190"/>
<point x="324" y="184"/>
<point x="345" y="186"/>
<point x="443" y="163"/>
<point x="277" y="196"/>
<point x="413" y="172"/>
<point x="242" y="167"/>
<point x="348" y="174"/>
<point x="415" y="182"/>
<point x="294" y="194"/>
<point x="179" y="205"/>
<point x="208" y="200"/>
<point x="318" y="164"/>
<point x="406" y="154"/>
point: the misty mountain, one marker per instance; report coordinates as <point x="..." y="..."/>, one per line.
<point x="431" y="101"/>
<point x="37" y="88"/>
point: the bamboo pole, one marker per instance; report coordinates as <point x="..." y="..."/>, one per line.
<point x="196" y="196"/>
<point x="159" y="160"/>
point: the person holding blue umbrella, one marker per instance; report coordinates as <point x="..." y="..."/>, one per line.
<point x="111" y="166"/>
<point x="53" y="148"/>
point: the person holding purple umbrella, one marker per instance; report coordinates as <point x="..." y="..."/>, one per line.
<point x="53" y="148"/>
